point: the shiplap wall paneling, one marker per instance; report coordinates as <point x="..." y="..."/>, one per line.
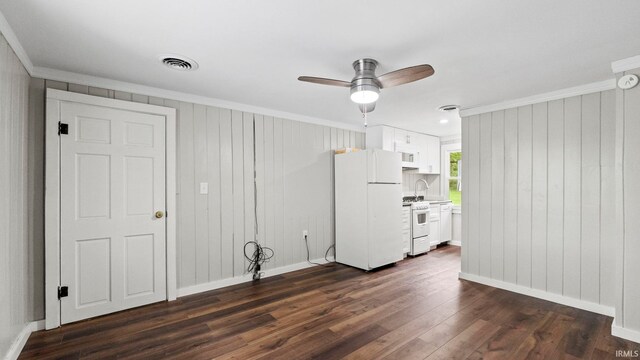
<point x="213" y="175"/>
<point x="269" y="185"/>
<point x="607" y="198"/>
<point x="630" y="109"/>
<point x="555" y="191"/>
<point x="237" y="138"/>
<point x="186" y="196"/>
<point x="464" y="250"/>
<point x="497" y="197"/>
<point x="590" y="199"/>
<point x="36" y="198"/>
<point x="328" y="217"/>
<point x="201" y="203"/>
<point x="473" y="194"/>
<point x="539" y="197"/>
<point x="258" y="125"/>
<point x="510" y="195"/>
<point x="546" y="194"/>
<point x="249" y="189"/>
<point x="524" y="195"/>
<point x="572" y="193"/>
<point x="290" y="204"/>
<point x="278" y="179"/>
<point x="17" y="301"/>
<point x="226" y="196"/>
<point x="484" y="199"/>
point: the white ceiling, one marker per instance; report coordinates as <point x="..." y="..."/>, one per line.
<point x="252" y="51"/>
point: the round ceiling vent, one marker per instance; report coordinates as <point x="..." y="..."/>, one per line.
<point x="178" y="62"/>
<point x="449" y="108"/>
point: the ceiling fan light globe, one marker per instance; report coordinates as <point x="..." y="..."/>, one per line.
<point x="364" y="93"/>
<point x="364" y="97"/>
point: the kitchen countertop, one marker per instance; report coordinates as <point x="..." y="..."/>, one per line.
<point x="438" y="201"/>
<point x="435" y="202"/>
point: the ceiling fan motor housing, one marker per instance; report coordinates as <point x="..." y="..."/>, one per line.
<point x="365" y="79"/>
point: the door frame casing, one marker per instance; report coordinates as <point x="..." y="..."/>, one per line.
<point x="52" y="190"/>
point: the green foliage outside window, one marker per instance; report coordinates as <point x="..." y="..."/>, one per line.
<point x="455" y="195"/>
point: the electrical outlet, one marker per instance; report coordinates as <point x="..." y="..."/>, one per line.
<point x="305" y="233"/>
<point x="204" y="188"/>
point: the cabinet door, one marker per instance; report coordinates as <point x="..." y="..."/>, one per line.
<point x="380" y="137"/>
<point x="406" y="229"/>
<point x="422" y="144"/>
<point x="388" y="138"/>
<point x="445" y="224"/>
<point x="401" y="137"/>
<point x="434" y="233"/>
<point x="433" y="154"/>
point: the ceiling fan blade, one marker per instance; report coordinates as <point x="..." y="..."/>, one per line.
<point x="323" y="81"/>
<point x="406" y="75"/>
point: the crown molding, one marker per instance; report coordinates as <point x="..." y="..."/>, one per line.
<point x="94" y="81"/>
<point x="12" y="39"/>
<point x="535" y="99"/>
<point x="626" y="64"/>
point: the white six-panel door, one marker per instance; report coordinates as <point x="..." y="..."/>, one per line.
<point x="112" y="184"/>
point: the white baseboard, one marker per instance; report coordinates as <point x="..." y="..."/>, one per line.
<point x="194" y="289"/>
<point x="455" y="242"/>
<point x="540" y="294"/>
<point x="21" y="339"/>
<point x="627" y="334"/>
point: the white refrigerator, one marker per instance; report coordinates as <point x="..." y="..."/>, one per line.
<point x="368" y="207"/>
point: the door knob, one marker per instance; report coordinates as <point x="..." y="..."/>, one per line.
<point x="159" y="214"/>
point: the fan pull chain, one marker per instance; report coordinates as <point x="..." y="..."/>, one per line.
<point x="364" y="116"/>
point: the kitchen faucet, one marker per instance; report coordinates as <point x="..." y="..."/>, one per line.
<point x="415" y="192"/>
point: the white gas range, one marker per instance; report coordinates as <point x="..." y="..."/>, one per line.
<point x="420" y="227"/>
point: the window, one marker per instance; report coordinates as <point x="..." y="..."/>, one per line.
<point x="453" y="174"/>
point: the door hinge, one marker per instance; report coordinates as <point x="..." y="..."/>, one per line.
<point x="63" y="291"/>
<point x="63" y="129"/>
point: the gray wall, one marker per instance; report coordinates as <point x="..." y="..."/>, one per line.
<point x="16" y="297"/>
<point x="295" y="179"/>
<point x="628" y="195"/>
<point x="539" y="201"/>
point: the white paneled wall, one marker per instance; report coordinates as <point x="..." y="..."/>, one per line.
<point x="539" y="197"/>
<point x="409" y="179"/>
<point x="627" y="162"/>
<point x="294" y="169"/>
<point x="16" y="297"/>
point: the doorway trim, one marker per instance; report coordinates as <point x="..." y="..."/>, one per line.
<point x="52" y="190"/>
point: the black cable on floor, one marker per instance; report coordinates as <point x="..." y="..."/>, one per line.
<point x="329" y="263"/>
<point x="261" y="254"/>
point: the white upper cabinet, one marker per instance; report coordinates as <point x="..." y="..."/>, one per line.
<point x="380" y="137"/>
<point x="426" y="147"/>
<point x="401" y="137"/>
<point x="430" y="163"/>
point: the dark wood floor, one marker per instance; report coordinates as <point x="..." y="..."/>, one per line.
<point x="416" y="309"/>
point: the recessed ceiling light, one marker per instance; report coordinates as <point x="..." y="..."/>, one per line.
<point x="444" y="121"/>
<point x="178" y="62"/>
<point x="448" y="108"/>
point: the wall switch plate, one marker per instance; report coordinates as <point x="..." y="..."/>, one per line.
<point x="204" y="188"/>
